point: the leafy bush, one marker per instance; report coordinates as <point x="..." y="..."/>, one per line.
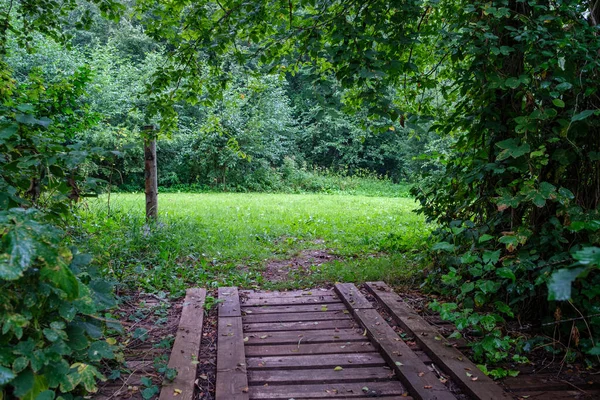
<point x="52" y="336"/>
<point x="51" y="340"/>
<point x="518" y="204"/>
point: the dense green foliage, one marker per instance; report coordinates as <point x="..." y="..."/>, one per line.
<point x="519" y="203"/>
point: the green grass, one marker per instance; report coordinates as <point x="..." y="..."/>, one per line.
<point x="216" y="239"/>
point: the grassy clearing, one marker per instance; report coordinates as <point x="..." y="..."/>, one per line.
<point x="228" y="238"/>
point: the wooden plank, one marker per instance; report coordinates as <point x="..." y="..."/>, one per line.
<point x="290" y="317"/>
<point x="413" y="373"/>
<point x="186" y="347"/>
<point x="232" y="381"/>
<point x="282" y="301"/>
<point x="304" y="376"/>
<point x="448" y="358"/>
<point x="351" y="296"/>
<point x="288" y="293"/>
<point x="331" y="361"/>
<point x="390" y="397"/>
<point x="301" y="349"/>
<point x="557" y="395"/>
<point x="327" y="390"/>
<point x="293" y="308"/>
<point x="230" y="304"/>
<point x="313" y="336"/>
<point x="300" y="326"/>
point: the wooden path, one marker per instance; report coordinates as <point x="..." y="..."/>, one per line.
<point x="333" y="343"/>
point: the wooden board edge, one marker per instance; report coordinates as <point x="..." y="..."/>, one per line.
<point x="351" y="296"/>
<point x="482" y="389"/>
<point x="232" y="378"/>
<point x="229" y="302"/>
<point x="186" y="347"/>
<point x="418" y="387"/>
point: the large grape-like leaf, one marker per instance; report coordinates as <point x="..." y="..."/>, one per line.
<point x="559" y="286"/>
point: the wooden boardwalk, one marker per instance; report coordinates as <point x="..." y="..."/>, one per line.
<point x="334" y="343"/>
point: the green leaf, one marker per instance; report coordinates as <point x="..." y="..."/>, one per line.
<point x="582" y="115"/>
<point x="99" y="350"/>
<point x="443" y="246"/>
<point x="40" y="385"/>
<point x="8" y="131"/>
<point x="563" y="86"/>
<point x="484" y="238"/>
<point x="559" y="285"/>
<point x="149" y="392"/>
<point x="588" y="255"/>
<point x="6" y="375"/>
<point x="46" y="395"/>
<point x="507" y="273"/>
<point x="86" y="375"/>
<point x="20" y="364"/>
<point x="20" y="254"/>
<point x="512" y="148"/>
<point x="512" y="82"/>
<point x="467" y="287"/>
<point x="23" y="383"/>
<point x="595" y="351"/>
<point x="558" y="103"/>
<point x="63" y="278"/>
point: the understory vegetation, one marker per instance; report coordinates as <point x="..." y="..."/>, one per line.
<point x="452" y="146"/>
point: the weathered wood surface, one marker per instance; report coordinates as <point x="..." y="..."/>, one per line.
<point x="186" y="347"/>
<point x="323" y="315"/>
<point x="300" y="326"/>
<point x="282" y="301"/>
<point x="288" y="293"/>
<point x="315" y="336"/>
<point x="293" y="308"/>
<point x="229" y="305"/>
<point x="366" y="374"/>
<point x="232" y="382"/>
<point x="327" y="390"/>
<point x="304" y="346"/>
<point x="316" y="361"/>
<point x="351" y="296"/>
<point x="413" y="373"/>
<point x="448" y="358"/>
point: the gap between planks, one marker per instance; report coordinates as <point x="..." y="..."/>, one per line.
<point x="447" y="357"/>
<point x="412" y="372"/>
<point x="186" y="347"/>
